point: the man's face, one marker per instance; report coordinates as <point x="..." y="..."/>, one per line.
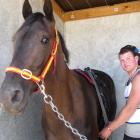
<point x="129" y="62"/>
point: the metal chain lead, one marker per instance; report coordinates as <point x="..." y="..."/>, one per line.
<point x="49" y="100"/>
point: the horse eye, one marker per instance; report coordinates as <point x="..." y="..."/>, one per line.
<point x="45" y="40"/>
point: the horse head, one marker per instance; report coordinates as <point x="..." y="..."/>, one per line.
<point x="33" y="45"/>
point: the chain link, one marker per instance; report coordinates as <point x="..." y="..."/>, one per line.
<point x="49" y="100"/>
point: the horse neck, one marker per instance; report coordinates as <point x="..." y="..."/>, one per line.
<point x="57" y="83"/>
<point x="59" y="72"/>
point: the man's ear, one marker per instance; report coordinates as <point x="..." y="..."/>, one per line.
<point x="137" y="58"/>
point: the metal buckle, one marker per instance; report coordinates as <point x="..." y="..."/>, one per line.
<point x="26" y="71"/>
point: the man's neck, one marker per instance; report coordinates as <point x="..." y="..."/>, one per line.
<point x="131" y="73"/>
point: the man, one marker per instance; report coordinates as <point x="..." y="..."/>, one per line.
<point x="130" y="113"/>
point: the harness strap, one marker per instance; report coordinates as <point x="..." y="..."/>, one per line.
<point x="52" y="58"/>
<point x="133" y="76"/>
<point x="88" y="70"/>
<point x="26" y="74"/>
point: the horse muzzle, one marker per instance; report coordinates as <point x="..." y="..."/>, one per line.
<point x="12" y="98"/>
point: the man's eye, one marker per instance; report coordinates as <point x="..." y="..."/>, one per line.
<point x="45" y="40"/>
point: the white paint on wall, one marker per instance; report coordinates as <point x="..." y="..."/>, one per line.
<point x="96" y="42"/>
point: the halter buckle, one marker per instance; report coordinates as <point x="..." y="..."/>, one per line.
<point x="26" y="74"/>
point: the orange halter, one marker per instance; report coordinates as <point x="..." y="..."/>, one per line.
<point x="27" y="74"/>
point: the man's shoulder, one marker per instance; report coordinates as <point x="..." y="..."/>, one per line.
<point x="136" y="79"/>
<point x="136" y="75"/>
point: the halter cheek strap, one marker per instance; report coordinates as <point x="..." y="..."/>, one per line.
<point x="27" y="74"/>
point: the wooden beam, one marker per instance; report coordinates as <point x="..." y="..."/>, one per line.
<point x="57" y="9"/>
<point x="116" y="9"/>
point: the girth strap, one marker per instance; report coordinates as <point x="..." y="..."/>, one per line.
<point x="88" y="71"/>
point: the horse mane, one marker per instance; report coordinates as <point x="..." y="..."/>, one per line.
<point x="64" y="49"/>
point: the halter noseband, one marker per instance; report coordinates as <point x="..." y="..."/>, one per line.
<point x="27" y="74"/>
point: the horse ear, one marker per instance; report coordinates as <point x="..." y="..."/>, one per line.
<point x="27" y="9"/>
<point x="48" y="10"/>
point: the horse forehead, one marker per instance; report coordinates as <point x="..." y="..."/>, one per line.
<point x="36" y="28"/>
<point x="26" y="31"/>
<point x="43" y="26"/>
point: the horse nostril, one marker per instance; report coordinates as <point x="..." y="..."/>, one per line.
<point x="17" y="97"/>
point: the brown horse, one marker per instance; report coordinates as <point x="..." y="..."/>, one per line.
<point x="36" y="44"/>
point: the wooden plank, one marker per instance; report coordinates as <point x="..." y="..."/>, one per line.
<point x="98" y="11"/>
<point x="58" y="10"/>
